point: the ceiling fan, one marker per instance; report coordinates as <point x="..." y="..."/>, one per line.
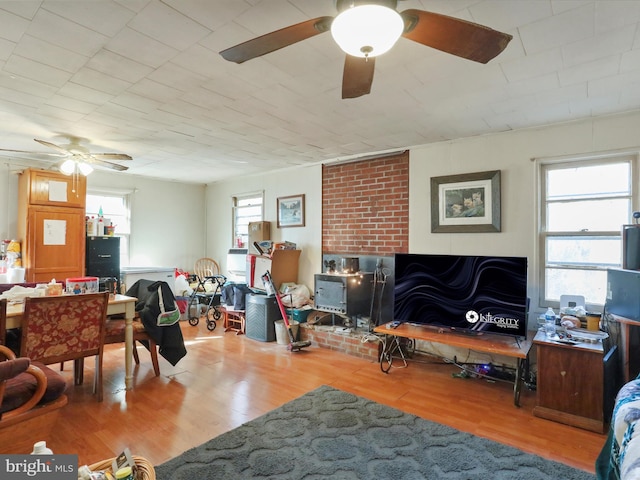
<point x="75" y="156"/>
<point x="380" y="25"/>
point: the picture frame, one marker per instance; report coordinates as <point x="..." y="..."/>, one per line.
<point x="467" y="203"/>
<point x="290" y="211"/>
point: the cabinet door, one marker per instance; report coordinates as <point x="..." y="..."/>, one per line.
<point x="56" y="189"/>
<point x="571" y="380"/>
<point x="55" y="244"/>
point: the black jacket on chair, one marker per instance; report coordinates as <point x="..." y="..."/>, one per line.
<point x="168" y="337"/>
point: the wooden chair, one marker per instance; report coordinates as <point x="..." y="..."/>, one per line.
<point x="234" y="320"/>
<point x="206" y="267"/>
<point x="67" y="327"/>
<point x="115" y="334"/>
<point x="31" y="396"/>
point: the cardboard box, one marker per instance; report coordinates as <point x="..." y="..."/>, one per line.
<point x="258" y="231"/>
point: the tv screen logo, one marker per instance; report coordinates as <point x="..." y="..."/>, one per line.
<point x="474" y="317"/>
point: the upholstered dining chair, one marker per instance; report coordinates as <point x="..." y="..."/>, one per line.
<point x="67" y="327"/>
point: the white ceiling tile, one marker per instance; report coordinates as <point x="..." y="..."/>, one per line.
<point x="24" y="67"/>
<point x="64" y="33"/>
<point x="501" y="15"/>
<point x="140" y="48"/>
<point x="155" y="91"/>
<point x="614" y="15"/>
<point x="119" y="67"/>
<point x="145" y="77"/>
<point x="99" y="81"/>
<point x="13" y="26"/>
<point x="166" y="25"/>
<point x="599" y="46"/>
<point x="533" y="65"/>
<point x="105" y="17"/>
<point x="558" y="30"/>
<point x="6" y="49"/>
<point x="630" y="61"/>
<point x="48" y="54"/>
<point x="582" y="73"/>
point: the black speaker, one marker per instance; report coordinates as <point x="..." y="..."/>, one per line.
<point x="631" y="247"/>
<point x="261" y="312"/>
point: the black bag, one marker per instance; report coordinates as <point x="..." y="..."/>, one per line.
<point x="227" y="294"/>
<point x="240" y="291"/>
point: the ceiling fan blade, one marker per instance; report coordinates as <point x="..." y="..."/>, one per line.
<point x="105" y="164"/>
<point x="54" y="146"/>
<point x="358" y="76"/>
<point x="111" y="156"/>
<point x="453" y="35"/>
<point x="276" y="40"/>
<point x="29" y="152"/>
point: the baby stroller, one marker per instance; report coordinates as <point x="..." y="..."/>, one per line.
<point x="203" y="303"/>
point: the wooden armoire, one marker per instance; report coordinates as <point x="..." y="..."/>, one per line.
<point x="51" y="224"/>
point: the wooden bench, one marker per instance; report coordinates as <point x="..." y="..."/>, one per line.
<point x="485" y="343"/>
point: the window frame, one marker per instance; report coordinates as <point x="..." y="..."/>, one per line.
<point x="235" y="208"/>
<point x="125" y="238"/>
<point x="544" y="165"/>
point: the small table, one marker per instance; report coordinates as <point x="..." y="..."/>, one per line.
<point x="570" y="386"/>
<point x="485" y="343"/>
<point x="118" y="305"/>
<point x="234" y="320"/>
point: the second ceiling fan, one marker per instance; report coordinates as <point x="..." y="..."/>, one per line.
<point x="74" y="155"/>
<point x="365" y="29"/>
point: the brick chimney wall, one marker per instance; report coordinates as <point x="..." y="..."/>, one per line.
<point x="365" y="206"/>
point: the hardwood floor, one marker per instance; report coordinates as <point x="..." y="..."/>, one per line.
<point x="227" y="379"/>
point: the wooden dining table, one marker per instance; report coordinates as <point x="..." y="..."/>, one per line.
<point x="118" y="305"/>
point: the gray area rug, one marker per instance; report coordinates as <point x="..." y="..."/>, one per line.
<point x="331" y="433"/>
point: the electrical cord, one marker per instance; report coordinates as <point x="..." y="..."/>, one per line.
<point x="369" y="337"/>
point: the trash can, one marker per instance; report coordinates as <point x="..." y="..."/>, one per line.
<point x="282" y="337"/>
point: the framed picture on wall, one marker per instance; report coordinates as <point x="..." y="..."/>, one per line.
<point x="467" y="203"/>
<point x="291" y="211"/>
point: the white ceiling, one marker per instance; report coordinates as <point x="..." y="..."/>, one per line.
<point x="144" y="77"/>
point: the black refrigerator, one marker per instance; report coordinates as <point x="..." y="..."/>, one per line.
<point x="103" y="261"/>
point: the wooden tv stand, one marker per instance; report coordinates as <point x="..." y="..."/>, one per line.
<point x="481" y="342"/>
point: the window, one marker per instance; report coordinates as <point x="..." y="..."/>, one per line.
<point x="115" y="208"/>
<point x="246" y="208"/>
<point x="584" y="204"/>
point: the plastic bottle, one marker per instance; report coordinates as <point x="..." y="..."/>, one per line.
<point x="100" y="227"/>
<point x="40" y="448"/>
<point x="550" y="323"/>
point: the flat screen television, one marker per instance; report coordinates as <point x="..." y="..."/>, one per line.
<point x="474" y="294"/>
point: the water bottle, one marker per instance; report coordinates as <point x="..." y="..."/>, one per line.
<point x="550" y="323"/>
<point x="40" y="448"/>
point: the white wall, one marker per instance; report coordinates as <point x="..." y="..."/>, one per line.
<point x="512" y="153"/>
<point x="8" y="200"/>
<point x="305" y="180"/>
<point x="174" y="224"/>
<point x="168" y="218"/>
<point x="168" y="225"/>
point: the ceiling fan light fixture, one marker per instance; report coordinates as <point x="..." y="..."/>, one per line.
<point x="68" y="167"/>
<point x="367" y="30"/>
<point x="85" y="168"/>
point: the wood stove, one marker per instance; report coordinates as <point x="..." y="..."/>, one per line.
<point x="344" y="293"/>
